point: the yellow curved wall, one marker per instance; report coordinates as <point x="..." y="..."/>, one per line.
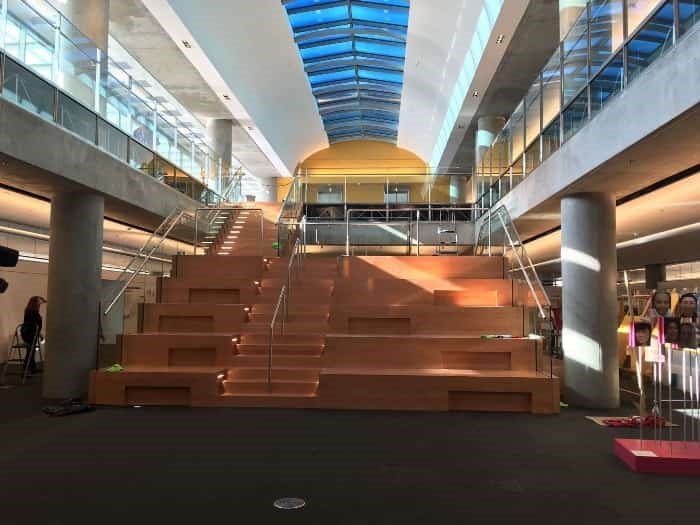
<point x="363" y="157"/>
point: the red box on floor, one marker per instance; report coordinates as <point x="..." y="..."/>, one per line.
<point x="672" y="458"/>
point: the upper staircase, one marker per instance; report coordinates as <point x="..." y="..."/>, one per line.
<point x="385" y="332"/>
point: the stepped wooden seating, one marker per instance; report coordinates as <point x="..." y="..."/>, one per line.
<point x="373" y="332"/>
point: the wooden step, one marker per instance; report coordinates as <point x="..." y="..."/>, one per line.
<point x="290" y="327"/>
<point x="279" y="373"/>
<point x="439" y="389"/>
<point x="296" y="308"/>
<point x="261" y="387"/>
<point x="260" y="360"/>
<point x="281" y="348"/>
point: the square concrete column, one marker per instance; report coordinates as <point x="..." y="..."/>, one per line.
<point x="74" y="288"/>
<point x="589" y="300"/>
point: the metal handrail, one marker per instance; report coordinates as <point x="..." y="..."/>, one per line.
<point x="296" y="255"/>
<point x="168" y="225"/>
<point x="524" y="261"/>
<point x="282" y="299"/>
<point x="220" y="209"/>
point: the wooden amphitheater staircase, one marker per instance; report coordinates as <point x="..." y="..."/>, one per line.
<point x="392" y="332"/>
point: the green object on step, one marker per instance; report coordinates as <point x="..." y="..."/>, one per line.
<point x="275" y="245"/>
<point x="115" y="368"/>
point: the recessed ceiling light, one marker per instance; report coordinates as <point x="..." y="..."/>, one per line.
<point x="187" y="44"/>
<point x="226" y="97"/>
<point x="500" y="38"/>
<point x="476" y="93"/>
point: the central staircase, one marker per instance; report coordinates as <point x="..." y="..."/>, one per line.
<point x="401" y="333"/>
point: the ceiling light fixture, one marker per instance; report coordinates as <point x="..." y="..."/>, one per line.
<point x="500" y="39"/>
<point x="187" y="44"/>
<point x="476" y="93"/>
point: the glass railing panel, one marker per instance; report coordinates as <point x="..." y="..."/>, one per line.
<point x="551" y="88"/>
<point x="141" y="158"/>
<point x="575" y="115"/>
<point x="76" y="118"/>
<point x="575" y="62"/>
<point x="637" y="11"/>
<point x="607" y="84"/>
<point x="532" y="112"/>
<point x="607" y="31"/>
<point x="165" y="172"/>
<point x="517" y="130"/>
<point x="77" y="73"/>
<point x="114" y="102"/>
<point x="165" y="139"/>
<point x="651" y="42"/>
<point x="30" y="38"/>
<point x="142" y="121"/>
<point x="516" y="171"/>
<point x="111" y="140"/>
<point x="366" y="189"/>
<point x="688" y="15"/>
<point x="550" y="139"/>
<point x="26" y="89"/>
<point x="184" y="153"/>
<point x="199" y="163"/>
<point x="532" y="157"/>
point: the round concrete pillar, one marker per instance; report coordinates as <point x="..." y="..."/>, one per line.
<point x="486" y="130"/>
<point x="74" y="289"/>
<point x="91" y="17"/>
<point x="589" y="300"/>
<point x="220" y="133"/>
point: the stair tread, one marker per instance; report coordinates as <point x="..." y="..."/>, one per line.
<point x="270" y="394"/>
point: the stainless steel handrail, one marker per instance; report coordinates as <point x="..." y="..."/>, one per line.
<point x="168" y="225"/>
<point x="282" y="299"/>
<point x="296" y="255"/>
<point x="231" y="209"/>
<point x="524" y="261"/>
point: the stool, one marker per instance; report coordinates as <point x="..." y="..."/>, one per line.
<point x="14" y="354"/>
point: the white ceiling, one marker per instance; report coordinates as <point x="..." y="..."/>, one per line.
<point x="439" y="35"/>
<point x="245" y="49"/>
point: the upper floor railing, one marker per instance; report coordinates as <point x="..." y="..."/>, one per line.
<point x="53" y="70"/>
<point x="611" y="43"/>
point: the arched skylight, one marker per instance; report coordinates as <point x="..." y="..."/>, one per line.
<point x="353" y="53"/>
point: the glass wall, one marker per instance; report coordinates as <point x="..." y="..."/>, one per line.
<point x="53" y="70"/>
<point x="595" y="61"/>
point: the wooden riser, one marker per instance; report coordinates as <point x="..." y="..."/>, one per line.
<point x="305" y="308"/>
<point x="290" y="327"/>
<point x="217" y="269"/>
<point x="278" y="374"/>
<point x="279" y="361"/>
<point x="280" y="348"/>
<point x="438" y="390"/>
<point x="430" y="352"/>
<point x="422" y="319"/>
<point x="193" y="318"/>
<point x="260" y="387"/>
<point x="441" y="292"/>
<point x="416" y="268"/>
<point x="178" y="350"/>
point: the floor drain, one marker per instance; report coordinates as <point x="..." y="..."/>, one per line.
<point x="289" y="504"/>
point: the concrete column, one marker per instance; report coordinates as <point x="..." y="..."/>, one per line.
<point x="486" y="130"/>
<point x="569" y="11"/>
<point x="91" y="17"/>
<point x="220" y="133"/>
<point x="75" y="266"/>
<point x="654" y="274"/>
<point x="589" y="300"/>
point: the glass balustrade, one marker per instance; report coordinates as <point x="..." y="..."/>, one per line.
<point x="51" y="69"/>
<point x="602" y="54"/>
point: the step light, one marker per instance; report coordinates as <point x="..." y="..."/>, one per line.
<point x="256" y="283"/>
<point x="221" y="376"/>
<point x="234" y="339"/>
<point x="246" y="309"/>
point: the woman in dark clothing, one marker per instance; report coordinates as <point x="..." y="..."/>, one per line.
<point x="31" y="329"/>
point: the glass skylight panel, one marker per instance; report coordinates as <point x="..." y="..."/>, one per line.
<point x="326" y="50"/>
<point x="354" y="53"/>
<point x="319" y="16"/>
<point x="384" y="15"/>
